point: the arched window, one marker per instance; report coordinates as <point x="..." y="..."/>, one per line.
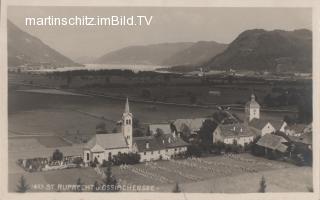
<point x="88" y="156"/>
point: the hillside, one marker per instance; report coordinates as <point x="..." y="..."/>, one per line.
<point x="24" y="48"/>
<point x="197" y="54"/>
<point x="153" y="54"/>
<point x="259" y="49"/>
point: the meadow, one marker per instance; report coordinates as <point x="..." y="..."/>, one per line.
<point x="209" y="174"/>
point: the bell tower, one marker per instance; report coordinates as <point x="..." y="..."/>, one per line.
<point x="252" y="109"/>
<point x="127" y="124"/>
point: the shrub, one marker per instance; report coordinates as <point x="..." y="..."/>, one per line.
<point x="22" y="186"/>
<point x="57" y="155"/>
<point x="126" y="158"/>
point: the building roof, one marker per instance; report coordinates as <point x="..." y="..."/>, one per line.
<point x="273" y="142"/>
<point x="158" y="143"/>
<point x="164" y="127"/>
<point x="261" y="123"/>
<point x="304" y="139"/>
<point x="127" y="109"/>
<point x="298" y="128"/>
<point x="107" y="141"/>
<point x="97" y="148"/>
<point x="235" y="130"/>
<point x="193" y="124"/>
<point x="252" y="103"/>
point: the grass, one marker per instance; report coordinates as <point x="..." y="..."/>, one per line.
<point x="280" y="177"/>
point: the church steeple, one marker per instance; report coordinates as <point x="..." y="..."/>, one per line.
<point x="252" y="109"/>
<point x="126" y="108"/>
<point x="127" y="128"/>
<point x="253" y="98"/>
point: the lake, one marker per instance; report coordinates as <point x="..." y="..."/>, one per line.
<point x="135" y="68"/>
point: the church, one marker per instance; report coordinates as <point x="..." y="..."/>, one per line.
<point x="253" y="126"/>
<point x="104" y="146"/>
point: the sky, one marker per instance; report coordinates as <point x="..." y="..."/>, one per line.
<point x="169" y="24"/>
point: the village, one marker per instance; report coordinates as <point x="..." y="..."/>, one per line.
<point x="250" y="145"/>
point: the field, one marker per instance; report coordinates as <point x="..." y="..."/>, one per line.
<point x="227" y="175"/>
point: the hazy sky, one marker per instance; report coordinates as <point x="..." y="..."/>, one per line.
<point x="168" y="25"/>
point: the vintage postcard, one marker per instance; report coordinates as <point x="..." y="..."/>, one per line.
<point x="171" y="100"/>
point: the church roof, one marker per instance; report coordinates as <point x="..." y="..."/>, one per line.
<point x="273" y="142"/>
<point x="97" y="148"/>
<point x="107" y="141"/>
<point x="164" y="141"/>
<point x="127" y="108"/>
<point x="252" y="103"/>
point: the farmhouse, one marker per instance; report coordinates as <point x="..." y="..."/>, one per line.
<point x="157" y="146"/>
<point x="231" y="133"/>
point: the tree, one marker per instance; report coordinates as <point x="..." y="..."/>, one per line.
<point x="79" y="185"/>
<point x="110" y="181"/>
<point x="206" y="131"/>
<point x="263" y="185"/>
<point x="135" y="123"/>
<point x="22" y="186"/>
<point x="159" y="132"/>
<point x="138" y="133"/>
<point x="95" y="187"/>
<point x="57" y="155"/>
<point x="96" y="161"/>
<point x="176" y="188"/>
<point x="101" y="126"/>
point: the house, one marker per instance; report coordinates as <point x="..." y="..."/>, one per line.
<point x="295" y="130"/>
<point x="190" y="125"/>
<point x="265" y="126"/>
<point x="230" y="133"/>
<point x="271" y="142"/>
<point x="157" y="146"/>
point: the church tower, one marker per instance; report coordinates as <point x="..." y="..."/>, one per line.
<point x="127" y="124"/>
<point x="252" y="109"/>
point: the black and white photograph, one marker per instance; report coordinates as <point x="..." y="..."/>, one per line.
<point x="160" y="99"/>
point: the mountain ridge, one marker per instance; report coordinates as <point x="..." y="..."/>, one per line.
<point x="24" y="48"/>
<point x="258" y="49"/>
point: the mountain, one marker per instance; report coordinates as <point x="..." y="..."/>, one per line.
<point x="85" y="59"/>
<point x="153" y="54"/>
<point x="261" y="50"/>
<point x="198" y="53"/>
<point x="24" y="48"/>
